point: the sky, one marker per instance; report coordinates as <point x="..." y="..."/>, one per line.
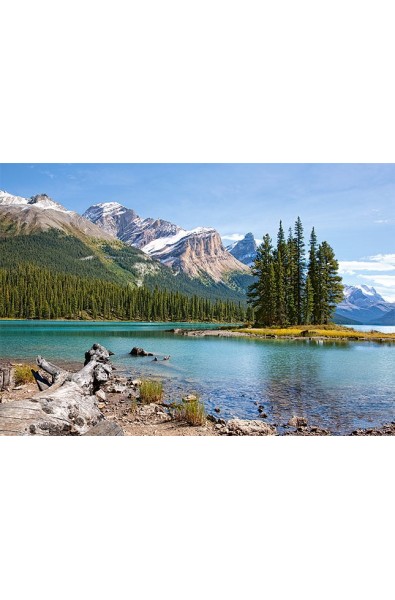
<point x="352" y="206"/>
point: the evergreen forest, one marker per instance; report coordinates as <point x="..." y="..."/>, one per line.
<point x="32" y="292"/>
<point x="293" y="287"/>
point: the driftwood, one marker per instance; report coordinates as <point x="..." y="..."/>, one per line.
<point x="5" y="378"/>
<point x="67" y="407"/>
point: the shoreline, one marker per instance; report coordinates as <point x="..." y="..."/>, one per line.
<point x="304" y="335"/>
<point x="120" y="404"/>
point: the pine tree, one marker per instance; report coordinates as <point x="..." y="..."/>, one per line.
<point x="308" y="303"/>
<point x="300" y="267"/>
<point x="290" y="279"/>
<point x="280" y="277"/>
<point x="330" y="286"/>
<point x="312" y="274"/>
<point x="262" y="293"/>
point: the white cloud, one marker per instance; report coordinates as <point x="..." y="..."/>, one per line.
<point x="387" y="281"/>
<point x="385" y="258"/>
<point x="233" y="237"/>
<point x="379" y="262"/>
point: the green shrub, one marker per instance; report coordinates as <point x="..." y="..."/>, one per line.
<point x="191" y="410"/>
<point x="23" y="374"/>
<point x="151" y="391"/>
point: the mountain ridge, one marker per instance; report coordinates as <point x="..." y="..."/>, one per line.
<point x="41" y="231"/>
<point x="197" y="253"/>
<point x="365" y="306"/>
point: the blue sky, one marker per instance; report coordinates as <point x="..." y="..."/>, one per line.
<point x="352" y="206"/>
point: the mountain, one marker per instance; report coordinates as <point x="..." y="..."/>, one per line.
<point x="40" y="213"/>
<point x="41" y="232"/>
<point x="363" y="305"/>
<point x="244" y="250"/>
<point x="198" y="253"/>
<point x="387" y="319"/>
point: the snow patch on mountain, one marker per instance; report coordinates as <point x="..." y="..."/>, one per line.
<point x="39" y="201"/>
<point x="363" y="304"/>
<point x="156" y="246"/>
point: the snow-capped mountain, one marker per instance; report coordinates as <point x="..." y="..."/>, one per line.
<point x="39" y="201"/>
<point x="364" y="305"/>
<point x="244" y="250"/>
<point x="125" y="224"/>
<point x="198" y="252"/>
<point x="40" y="213"/>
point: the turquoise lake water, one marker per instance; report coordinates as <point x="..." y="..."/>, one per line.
<point x="338" y="385"/>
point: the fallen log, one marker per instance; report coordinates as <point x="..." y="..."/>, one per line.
<point x="67" y="407"/>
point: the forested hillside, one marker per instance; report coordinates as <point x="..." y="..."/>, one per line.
<point x="111" y="261"/>
<point x="32" y="292"/>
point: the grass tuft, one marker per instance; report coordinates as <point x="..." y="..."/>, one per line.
<point x="191" y="410"/>
<point x="151" y="391"/>
<point x="23" y="374"/>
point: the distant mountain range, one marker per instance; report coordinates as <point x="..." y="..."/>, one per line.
<point x="112" y="242"/>
<point x="198" y="253"/>
<point x="362" y="305"/>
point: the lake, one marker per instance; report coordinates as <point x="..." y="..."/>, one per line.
<point x="336" y="385"/>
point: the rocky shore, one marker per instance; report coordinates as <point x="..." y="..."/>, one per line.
<point x="119" y="402"/>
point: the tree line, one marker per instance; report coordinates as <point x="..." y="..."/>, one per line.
<point x="290" y="287"/>
<point x="32" y="292"/>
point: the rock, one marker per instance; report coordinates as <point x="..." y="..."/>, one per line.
<point x="153" y="413"/>
<point x="101" y="405"/>
<point x="242" y="427"/>
<point x="140" y="352"/>
<point x="136" y="382"/>
<point x="190" y="398"/>
<point x="217" y="409"/>
<point x="116" y="388"/>
<point x="297" y="422"/>
<point x="105" y="428"/>
<point x="101" y="395"/>
<point x="263" y="415"/>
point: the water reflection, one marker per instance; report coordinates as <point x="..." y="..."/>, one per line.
<point x="335" y="384"/>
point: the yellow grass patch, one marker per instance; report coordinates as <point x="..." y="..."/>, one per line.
<point x="324" y="331"/>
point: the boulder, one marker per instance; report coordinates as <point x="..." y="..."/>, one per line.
<point x="140" y="352"/>
<point x="242" y="427"/>
<point x="297" y="422"/>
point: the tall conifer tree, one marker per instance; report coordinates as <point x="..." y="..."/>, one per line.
<point x="300" y="268"/>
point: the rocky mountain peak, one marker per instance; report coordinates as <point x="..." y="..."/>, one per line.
<point x="244" y="250"/>
<point x="364" y="305"/>
<point x="198" y="252"/>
